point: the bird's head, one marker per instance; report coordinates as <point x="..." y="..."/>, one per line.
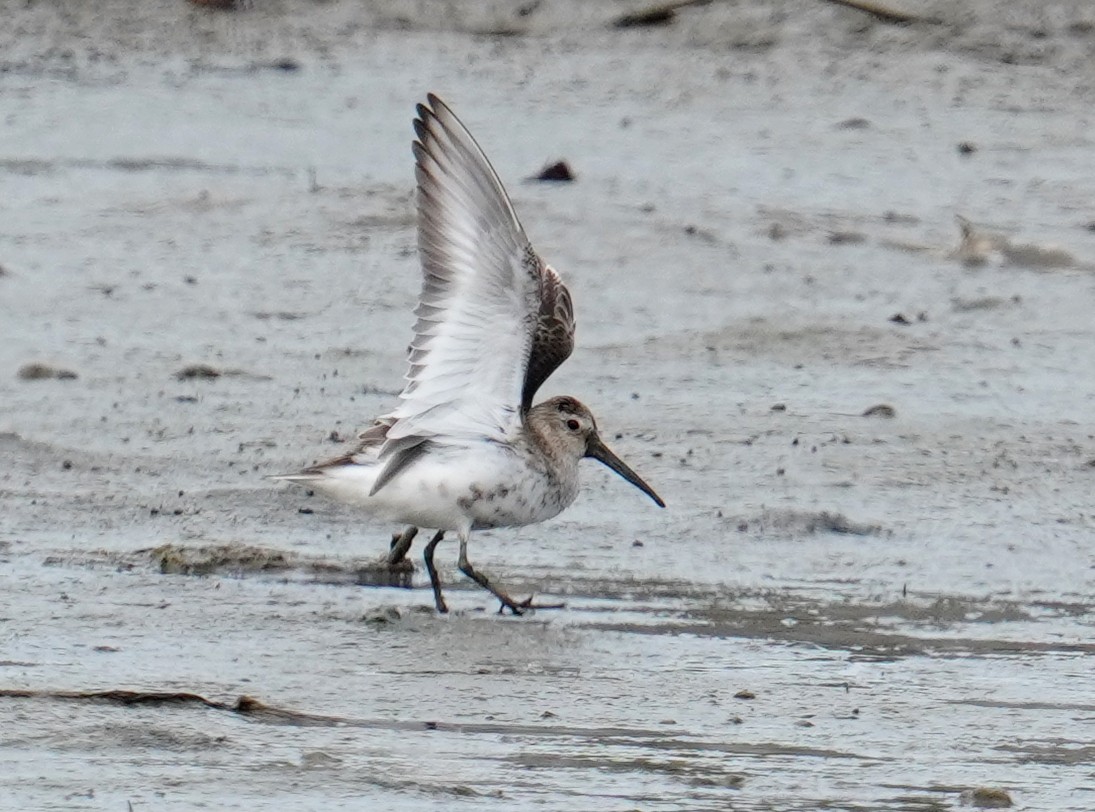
<point x="570" y="425"/>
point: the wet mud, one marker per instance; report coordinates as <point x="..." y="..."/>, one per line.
<point x="833" y="279"/>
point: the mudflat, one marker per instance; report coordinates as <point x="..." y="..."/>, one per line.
<point x="873" y="587"/>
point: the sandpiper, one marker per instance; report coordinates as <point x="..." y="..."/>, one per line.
<point x="465" y="449"/>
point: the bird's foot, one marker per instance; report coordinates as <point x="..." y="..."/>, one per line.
<point x="516" y="607"/>
<point x="520" y="607"/>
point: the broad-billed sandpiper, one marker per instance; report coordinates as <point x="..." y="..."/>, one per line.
<point x="466" y="449"/>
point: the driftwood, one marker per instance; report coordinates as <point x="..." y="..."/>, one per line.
<point x="664" y="13"/>
<point x="879" y="11"/>
<point x="245" y="705"/>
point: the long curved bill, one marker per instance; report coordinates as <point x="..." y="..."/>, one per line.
<point x="596" y="449"/>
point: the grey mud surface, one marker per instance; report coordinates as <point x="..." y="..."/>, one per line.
<point x="837" y="611"/>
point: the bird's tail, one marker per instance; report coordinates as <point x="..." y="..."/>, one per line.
<point x="302" y="477"/>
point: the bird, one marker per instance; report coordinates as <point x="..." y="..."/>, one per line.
<point x="466" y="448"/>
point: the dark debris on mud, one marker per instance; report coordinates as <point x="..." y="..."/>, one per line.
<point x="173" y="559"/>
<point x="799" y="523"/>
<point x="244" y="559"/>
<point x="208" y="372"/>
<point x="38" y="371"/>
<point x="556" y="172"/>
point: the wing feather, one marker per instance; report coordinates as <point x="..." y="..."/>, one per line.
<point x="480" y="300"/>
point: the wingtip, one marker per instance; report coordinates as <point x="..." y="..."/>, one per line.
<point x="424" y="126"/>
<point x="430" y="109"/>
<point x="421" y="128"/>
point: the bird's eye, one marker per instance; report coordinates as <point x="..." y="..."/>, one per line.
<point x="573" y="424"/>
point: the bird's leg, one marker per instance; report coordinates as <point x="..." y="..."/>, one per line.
<point x="401" y="545"/>
<point x="435" y="582"/>
<point x="517" y="607"/>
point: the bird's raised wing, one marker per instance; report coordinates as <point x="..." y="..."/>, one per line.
<point x="480" y="301"/>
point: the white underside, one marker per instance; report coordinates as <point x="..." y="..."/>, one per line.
<point x="450" y="488"/>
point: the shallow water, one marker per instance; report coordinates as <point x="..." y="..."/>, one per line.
<point x="906" y="600"/>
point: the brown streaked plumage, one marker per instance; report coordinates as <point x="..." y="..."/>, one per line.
<point x="465" y="448"/>
<point x="553" y="339"/>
